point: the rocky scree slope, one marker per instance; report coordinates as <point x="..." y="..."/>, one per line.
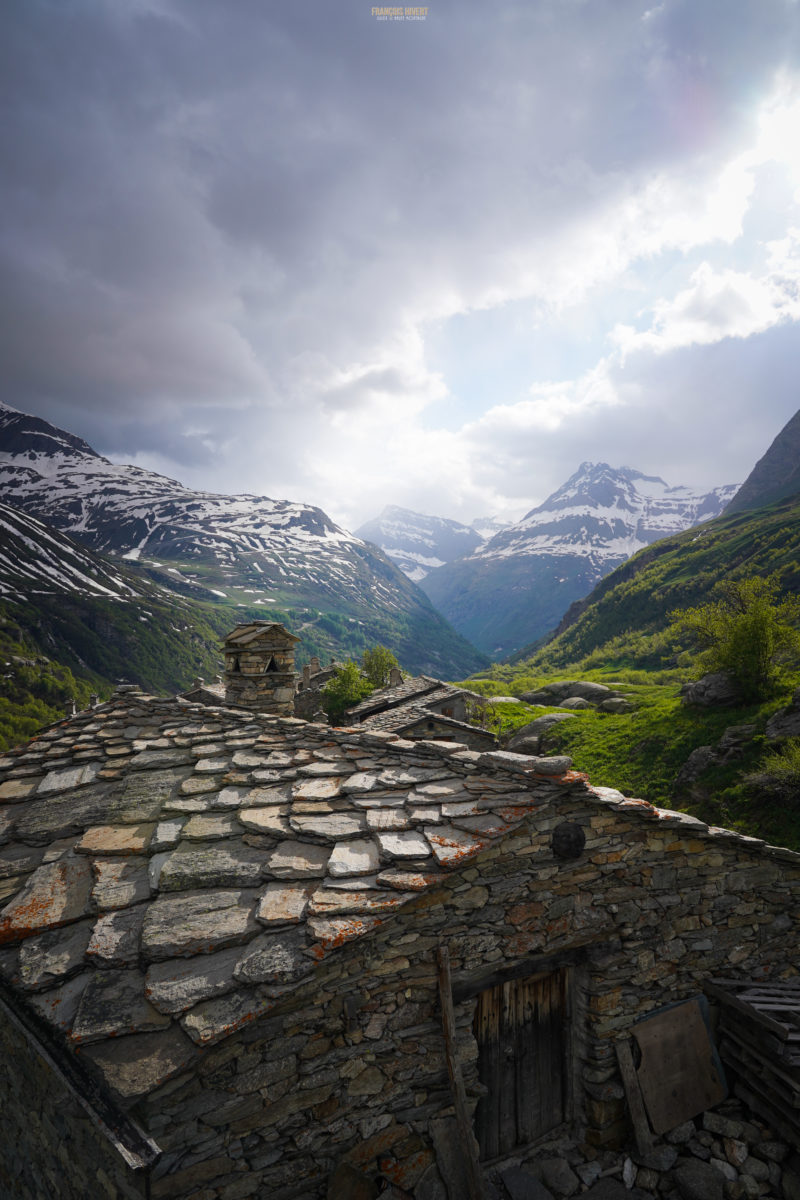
<point x="238" y="551"/>
<point x="515" y="588"/>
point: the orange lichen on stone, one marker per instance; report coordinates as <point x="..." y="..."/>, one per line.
<point x="332" y="932"/>
<point x="55" y="894"/>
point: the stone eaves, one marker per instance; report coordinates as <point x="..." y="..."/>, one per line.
<point x="169" y="872"/>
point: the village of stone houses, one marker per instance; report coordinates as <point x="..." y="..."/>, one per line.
<point x="249" y="953"/>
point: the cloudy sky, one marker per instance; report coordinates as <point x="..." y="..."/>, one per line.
<point x="287" y="247"/>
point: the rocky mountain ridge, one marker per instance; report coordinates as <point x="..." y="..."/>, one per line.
<point x="241" y="552"/>
<point x="417" y="543"/>
<point x="515" y="588"/>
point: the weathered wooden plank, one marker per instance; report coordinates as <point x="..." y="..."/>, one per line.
<point x="633" y="1094"/>
<point x="466" y="1136"/>
<point x="678" y="1075"/>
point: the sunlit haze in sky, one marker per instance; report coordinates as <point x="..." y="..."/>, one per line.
<point x="288" y="247"/>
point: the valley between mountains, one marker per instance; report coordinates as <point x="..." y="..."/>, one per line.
<point x="110" y="572"/>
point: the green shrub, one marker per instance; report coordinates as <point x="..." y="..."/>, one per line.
<point x="377" y="664"/>
<point x="345" y="689"/>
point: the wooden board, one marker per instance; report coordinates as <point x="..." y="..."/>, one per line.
<point x="679" y="1074"/>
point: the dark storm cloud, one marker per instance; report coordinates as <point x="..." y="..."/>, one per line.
<point x="213" y="209"/>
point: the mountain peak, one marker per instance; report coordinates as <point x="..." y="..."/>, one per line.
<point x="776" y="475"/>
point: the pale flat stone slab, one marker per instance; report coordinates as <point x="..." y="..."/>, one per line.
<point x="258" y="796"/>
<point x="52" y="956"/>
<point x="360" y="783"/>
<point x="409" y="881"/>
<point x="271" y="820"/>
<point x="428" y="814"/>
<point x="388" y="819"/>
<point x="297" y="860"/>
<point x="336" y="902"/>
<point x="55" y="894"/>
<point x="177" y="985"/>
<point x="462" y="808"/>
<point x="317" y="789"/>
<point x="211" y="766"/>
<point x="410" y="844"/>
<point x="230" y="864"/>
<point x="14" y="790"/>
<point x="133" y="1066"/>
<point x="397" y="777"/>
<point x="442" y="789"/>
<point x="242" y="759"/>
<point x="72" y="777"/>
<point x="167" y="834"/>
<point x="353" y="882"/>
<point x="379" y="800"/>
<point x="195" y="786"/>
<point x="113" y="1003"/>
<point x="332" y="932"/>
<point x="333" y="826"/>
<point x="119" y="883"/>
<point x="198" y="924"/>
<point x="284" y="903"/>
<point x="200" y="828"/>
<point x="359" y="857"/>
<point x="115" y="937"/>
<point x="212" y="1020"/>
<point x="451" y="846"/>
<point x="275" y="958"/>
<point x="115" y="839"/>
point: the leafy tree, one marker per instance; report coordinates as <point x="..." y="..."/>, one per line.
<point x="344" y="689"/>
<point x="748" y="632"/>
<point x="377" y="664"/>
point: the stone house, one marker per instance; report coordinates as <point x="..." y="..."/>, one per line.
<point x="239" y="951"/>
<point x="423" y="707"/>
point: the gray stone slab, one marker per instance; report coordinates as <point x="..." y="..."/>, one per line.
<point x="115" y="937"/>
<point x="67" y="780"/>
<point x="178" y="984"/>
<point x="19" y="860"/>
<point x="334" y="826"/>
<point x="114" y="1003"/>
<point x="119" y="883"/>
<point x="228" y="864"/>
<point x="358" y="857"/>
<point x="141" y="797"/>
<point x="388" y="818"/>
<point x="379" y="799"/>
<point x="50" y="957"/>
<point x="14" y="790"/>
<point x="278" y="957"/>
<point x="56" y="816"/>
<point x="298" y="860"/>
<point x="451" y="846"/>
<point x="155" y="867"/>
<point x="259" y="796"/>
<point x="59" y="1005"/>
<point x="133" y="1066"/>
<point x="284" y="903"/>
<point x="331" y="902"/>
<point x="56" y="894"/>
<point x="317" y="789"/>
<point x="148" y="760"/>
<point x="167" y="834"/>
<point x="210" y="826"/>
<point x="410" y="844"/>
<point x="212" y="1020"/>
<point x="332" y="932"/>
<point x="198" y="924"/>
<point x="360" y="783"/>
<point x="271" y="820"/>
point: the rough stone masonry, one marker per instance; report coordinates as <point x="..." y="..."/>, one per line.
<point x="219" y="934"/>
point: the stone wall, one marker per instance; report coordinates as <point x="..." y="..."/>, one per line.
<point x="55" y="1147"/>
<point x="353" y="1070"/>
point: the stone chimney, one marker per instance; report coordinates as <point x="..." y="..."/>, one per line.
<point x="395" y="677"/>
<point x="259" y="667"/>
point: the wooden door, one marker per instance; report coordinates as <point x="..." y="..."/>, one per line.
<point x="521" y="1030"/>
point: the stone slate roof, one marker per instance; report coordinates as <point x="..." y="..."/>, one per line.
<point x="395" y="720"/>
<point x="169" y="871"/>
<point x="410" y="689"/>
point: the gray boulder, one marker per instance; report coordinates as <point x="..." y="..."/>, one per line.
<point x="575" y="702"/>
<point x="785" y="723"/>
<point x="537" y="729"/>
<point x="617" y="704"/>
<point x="715" y="689"/>
<point x="698" y="1180"/>
<point x="556" y="692"/>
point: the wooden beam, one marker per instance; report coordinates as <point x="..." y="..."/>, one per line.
<point x="641" y="1126"/>
<point x="466" y="1134"/>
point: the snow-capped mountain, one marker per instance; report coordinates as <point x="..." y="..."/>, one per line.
<point x="36" y="560"/>
<point x="242" y="550"/>
<point x="517" y="586"/>
<point x="416" y="542"/>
